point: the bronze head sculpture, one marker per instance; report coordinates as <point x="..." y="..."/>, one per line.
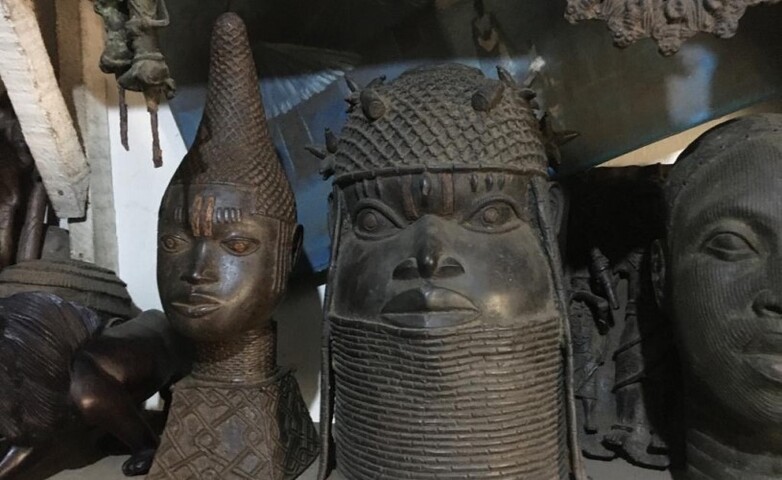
<point x="444" y="316"/>
<point x="718" y="273"/>
<point x="228" y="240"/>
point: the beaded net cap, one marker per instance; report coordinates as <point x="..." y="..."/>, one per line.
<point x="233" y="145"/>
<point x="443" y="117"/>
<point x="710" y="146"/>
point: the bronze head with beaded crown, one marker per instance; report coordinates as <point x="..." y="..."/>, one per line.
<point x="228" y="232"/>
<point x="444" y="277"/>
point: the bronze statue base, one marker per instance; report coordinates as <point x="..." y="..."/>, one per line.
<point x="223" y="431"/>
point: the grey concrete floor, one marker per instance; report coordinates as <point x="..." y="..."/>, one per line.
<point x="109" y="469"/>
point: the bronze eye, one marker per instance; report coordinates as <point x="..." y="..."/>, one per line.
<point x="496" y="216"/>
<point x="172" y="243"/>
<point x="240" y="246"/>
<point x="729" y="247"/>
<point x="371" y="223"/>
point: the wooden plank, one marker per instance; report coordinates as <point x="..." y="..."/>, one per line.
<point x="28" y="76"/>
<point x="80" y="36"/>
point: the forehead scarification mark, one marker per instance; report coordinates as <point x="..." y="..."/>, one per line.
<point x="408" y="202"/>
<point x="195" y="216"/>
<point x="223" y="215"/>
<point x="426" y="185"/>
<point x="208" y="213"/>
<point x="378" y="187"/>
<point x="474" y="182"/>
<point x="179" y="214"/>
<point x="500" y="181"/>
<point x="446" y="180"/>
<point x="365" y="187"/>
<point x="489" y="181"/>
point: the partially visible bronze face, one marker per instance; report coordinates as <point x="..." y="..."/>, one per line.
<point x="725" y="274"/>
<point x="221" y="270"/>
<point x="441" y="249"/>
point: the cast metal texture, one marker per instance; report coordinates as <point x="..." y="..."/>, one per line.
<point x="625" y="373"/>
<point x="87" y="284"/>
<point x="669" y="22"/>
<point x="440" y="401"/>
<point x="718" y="272"/>
<point x="228" y="242"/>
<point x="233" y="145"/>
<point x="205" y="414"/>
<point x="417" y="124"/>
<point x="448" y="404"/>
<point x="39" y="334"/>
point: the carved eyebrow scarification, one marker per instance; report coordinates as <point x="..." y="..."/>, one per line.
<point x="446" y="180"/>
<point x="208" y="216"/>
<point x="195" y="216"/>
<point x="227" y="215"/>
<point x="408" y="203"/>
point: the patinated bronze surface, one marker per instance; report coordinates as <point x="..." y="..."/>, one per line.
<point x="84" y="283"/>
<point x="444" y="317"/>
<point x="718" y="274"/>
<point x="132" y="54"/>
<point x="228" y="240"/>
<point x="669" y="22"/>
<point x="62" y="366"/>
<point x="625" y="374"/>
<point x="15" y="167"/>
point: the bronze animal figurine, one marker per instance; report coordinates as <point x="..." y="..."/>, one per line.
<point x="718" y="274"/>
<point x="60" y="365"/>
<point x="228" y="240"/>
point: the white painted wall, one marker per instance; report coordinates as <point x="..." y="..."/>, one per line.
<point x="138" y="189"/>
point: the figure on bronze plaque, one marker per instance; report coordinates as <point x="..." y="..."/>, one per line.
<point x="228" y="240"/>
<point x="719" y="275"/>
<point x="445" y="322"/>
<point x="625" y="374"/>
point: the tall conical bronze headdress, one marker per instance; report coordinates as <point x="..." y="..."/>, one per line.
<point x="233" y="145"/>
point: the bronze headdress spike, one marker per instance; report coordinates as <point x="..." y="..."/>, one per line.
<point x="372" y="104"/>
<point x="352" y="85"/>
<point x="331" y="141"/>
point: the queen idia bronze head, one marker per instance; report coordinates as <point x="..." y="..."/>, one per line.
<point x="227" y="229"/>
<point x="719" y="274"/>
<point x="228" y="239"/>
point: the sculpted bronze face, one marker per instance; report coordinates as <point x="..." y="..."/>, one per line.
<point x="724" y="291"/>
<point x="419" y="249"/>
<point x="228" y="239"/>
<point x="443" y="329"/>
<point x="217" y="263"/>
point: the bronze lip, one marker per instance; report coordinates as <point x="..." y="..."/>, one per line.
<point x="765" y="343"/>
<point x="764" y="354"/>
<point x="770" y="366"/>
<point x="429" y="307"/>
<point x="197" y="305"/>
